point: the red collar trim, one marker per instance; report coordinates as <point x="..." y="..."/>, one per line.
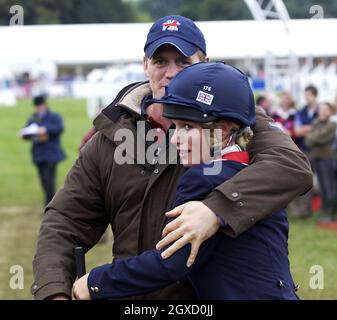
<point x="154" y="124"/>
<point x="238" y="156"/>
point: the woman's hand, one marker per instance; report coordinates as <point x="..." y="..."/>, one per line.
<point x="80" y="289"/>
<point x="195" y="224"/>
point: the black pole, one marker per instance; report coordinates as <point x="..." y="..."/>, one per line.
<point x="80" y="261"/>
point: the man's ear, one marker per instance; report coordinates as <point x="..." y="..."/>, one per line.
<point x="146" y="65"/>
<point x="206" y="59"/>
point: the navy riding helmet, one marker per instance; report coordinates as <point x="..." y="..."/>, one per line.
<point x="209" y="91"/>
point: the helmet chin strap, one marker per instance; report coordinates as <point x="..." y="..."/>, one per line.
<point x="216" y="144"/>
<point x="215" y="140"/>
<point x="229" y="140"/>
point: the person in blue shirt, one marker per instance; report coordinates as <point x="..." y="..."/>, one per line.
<point x="300" y="207"/>
<point x="46" y="146"/>
<point x="305" y="117"/>
<point x="212" y="108"/>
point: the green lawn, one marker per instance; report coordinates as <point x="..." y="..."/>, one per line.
<point x="21" y="210"/>
<point x="19" y="177"/>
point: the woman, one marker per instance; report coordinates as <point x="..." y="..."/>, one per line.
<point x="285" y="114"/>
<point x="321" y="140"/>
<point x="212" y="107"/>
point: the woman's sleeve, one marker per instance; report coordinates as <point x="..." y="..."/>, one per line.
<point x="148" y="272"/>
<point x="321" y="135"/>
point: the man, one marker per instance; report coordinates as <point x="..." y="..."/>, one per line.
<point x="264" y="102"/>
<point x="301" y="206"/>
<point x="133" y="197"/>
<point x="305" y="117"/>
<point x="46" y="148"/>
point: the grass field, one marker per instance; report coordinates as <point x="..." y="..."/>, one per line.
<point x="21" y="210"/>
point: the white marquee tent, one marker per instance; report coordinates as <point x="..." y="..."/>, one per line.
<point x="110" y="43"/>
<point x="40" y="49"/>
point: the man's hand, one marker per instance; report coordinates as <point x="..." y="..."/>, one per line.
<point x="195" y="224"/>
<point x="80" y="289"/>
<point x="41" y="130"/>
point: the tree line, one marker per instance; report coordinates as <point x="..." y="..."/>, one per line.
<point x="109" y="11"/>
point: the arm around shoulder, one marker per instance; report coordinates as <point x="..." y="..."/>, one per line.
<point x="278" y="173"/>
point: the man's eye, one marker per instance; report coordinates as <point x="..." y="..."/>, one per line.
<point x="159" y="62"/>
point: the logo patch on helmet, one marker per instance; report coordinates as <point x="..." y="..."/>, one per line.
<point x="205" y="97"/>
<point x="171" y="25"/>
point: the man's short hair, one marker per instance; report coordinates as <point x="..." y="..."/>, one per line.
<point x="312" y="89"/>
<point x="260" y="99"/>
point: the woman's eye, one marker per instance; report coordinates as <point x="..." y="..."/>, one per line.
<point x="187" y="127"/>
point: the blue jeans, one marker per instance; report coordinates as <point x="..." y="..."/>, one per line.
<point x="325" y="170"/>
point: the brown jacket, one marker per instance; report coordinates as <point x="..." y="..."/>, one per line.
<point x="133" y="197"/>
<point x="321" y="139"/>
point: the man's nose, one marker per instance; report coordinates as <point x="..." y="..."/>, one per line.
<point x="171" y="71"/>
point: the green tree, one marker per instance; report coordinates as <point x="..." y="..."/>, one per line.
<point x="67" y="11"/>
<point x="105" y="11"/>
<point x="228" y="9"/>
<point x="300" y="9"/>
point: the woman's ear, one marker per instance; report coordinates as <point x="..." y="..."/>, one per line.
<point x="226" y="127"/>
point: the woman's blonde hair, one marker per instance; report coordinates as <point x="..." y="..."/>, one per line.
<point x="242" y="136"/>
<point x="239" y="135"/>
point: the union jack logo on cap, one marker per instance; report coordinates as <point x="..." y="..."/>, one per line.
<point x="171" y="25"/>
<point x="205" y="97"/>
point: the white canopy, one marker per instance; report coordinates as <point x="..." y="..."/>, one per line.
<point x="123" y="42"/>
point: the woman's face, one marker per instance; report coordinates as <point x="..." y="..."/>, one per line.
<point x="324" y="112"/>
<point x="191" y="142"/>
<point x="286" y="101"/>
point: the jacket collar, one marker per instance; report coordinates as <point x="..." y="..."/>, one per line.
<point x="124" y="113"/>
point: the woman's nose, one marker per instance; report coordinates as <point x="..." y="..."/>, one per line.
<point x="174" y="138"/>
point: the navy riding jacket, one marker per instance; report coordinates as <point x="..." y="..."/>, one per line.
<point x="254" y="265"/>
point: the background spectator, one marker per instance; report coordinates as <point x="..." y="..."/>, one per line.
<point x="321" y="140"/>
<point x="45" y="130"/>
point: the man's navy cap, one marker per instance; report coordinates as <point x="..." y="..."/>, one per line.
<point x="206" y="91"/>
<point x="178" y="31"/>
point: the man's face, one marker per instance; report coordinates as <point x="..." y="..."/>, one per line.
<point x="310" y="97"/>
<point x="324" y="112"/>
<point x="166" y="62"/>
<point x="40" y="108"/>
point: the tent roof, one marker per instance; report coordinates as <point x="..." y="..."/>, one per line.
<point x="123" y="42"/>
